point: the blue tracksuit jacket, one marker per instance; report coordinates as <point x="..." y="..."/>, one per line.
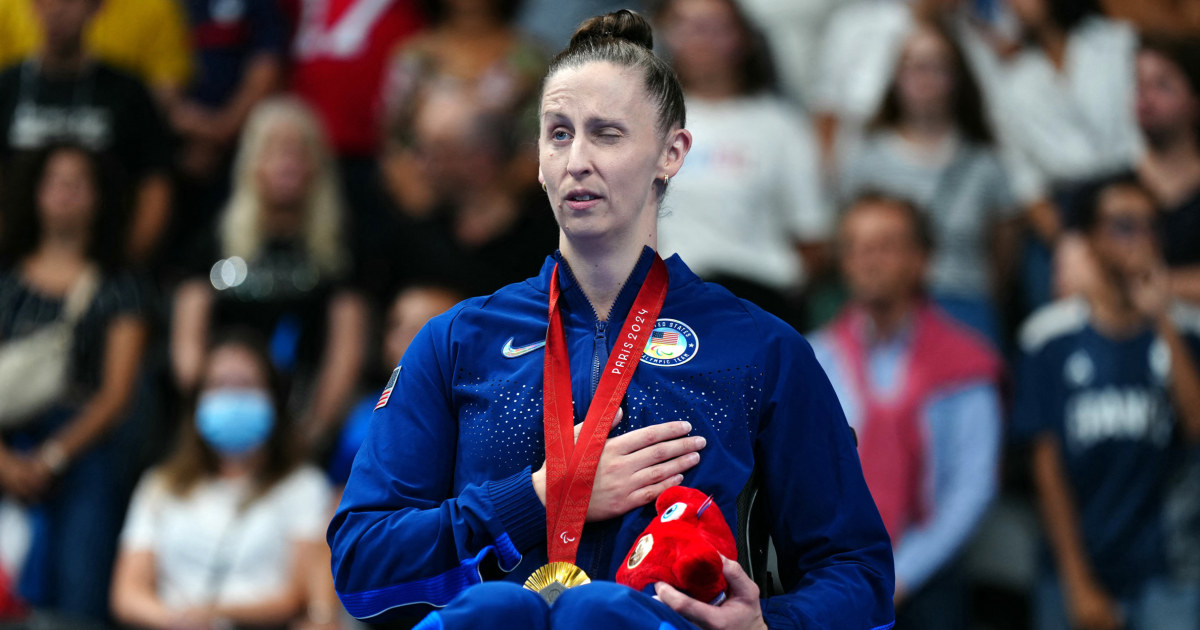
<point x="440" y="495"/>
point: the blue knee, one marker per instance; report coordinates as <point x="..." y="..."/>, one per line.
<point x="597" y="595"/>
<point x="490" y="605"/>
<point x="603" y="604"/>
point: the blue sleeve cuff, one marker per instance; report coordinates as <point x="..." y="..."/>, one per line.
<point x="774" y="619"/>
<point x="437" y="590"/>
<point x="519" y="510"/>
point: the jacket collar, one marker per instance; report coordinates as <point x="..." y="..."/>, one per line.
<point x="576" y="302"/>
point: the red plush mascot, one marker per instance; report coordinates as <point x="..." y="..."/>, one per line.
<point x="682" y="546"/>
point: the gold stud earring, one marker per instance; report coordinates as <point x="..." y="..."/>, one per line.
<point x="543" y="186"/>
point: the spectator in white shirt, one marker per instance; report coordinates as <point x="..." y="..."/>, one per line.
<point x="230" y="529"/>
<point x="1064" y="102"/>
<point x="856" y="60"/>
<point x="857" y="56"/>
<point x="793" y="30"/>
<point x="931" y="143"/>
<point x="748" y="211"/>
<point x="1064" y="108"/>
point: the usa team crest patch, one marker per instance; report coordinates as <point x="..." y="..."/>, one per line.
<point x="672" y="342"/>
<point x="387" y="391"/>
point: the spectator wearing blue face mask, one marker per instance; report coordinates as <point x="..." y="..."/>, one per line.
<point x="230" y="529"/>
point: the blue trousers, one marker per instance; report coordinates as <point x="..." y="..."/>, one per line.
<point x="76" y="526"/>
<point x="599" y="605"/>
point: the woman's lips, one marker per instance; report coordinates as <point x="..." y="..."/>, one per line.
<point x="580" y="206"/>
<point x="579" y="200"/>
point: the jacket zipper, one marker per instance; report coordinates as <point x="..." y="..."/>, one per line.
<point x="599" y="353"/>
<point x="593" y="549"/>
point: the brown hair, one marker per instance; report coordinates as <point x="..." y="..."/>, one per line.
<point x="625" y="39"/>
<point x="1087" y="217"/>
<point x="756" y="72"/>
<point x="969" y="115"/>
<point x="1184" y="54"/>
<point x="922" y="232"/>
<point x="19" y="205"/>
<point x="193" y="460"/>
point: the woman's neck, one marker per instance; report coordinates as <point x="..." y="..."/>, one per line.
<point x="929" y="130"/>
<point x="64" y="61"/>
<point x="601" y="269"/>
<point x="1172" y="171"/>
<point x="54" y="265"/>
<point x="62" y="245"/>
<point x="237" y="467"/>
<point x="282" y="221"/>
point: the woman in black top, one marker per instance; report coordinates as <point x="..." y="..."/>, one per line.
<point x="280" y="266"/>
<point x="63" y="223"/>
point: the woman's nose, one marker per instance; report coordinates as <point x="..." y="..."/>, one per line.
<point x="579" y="159"/>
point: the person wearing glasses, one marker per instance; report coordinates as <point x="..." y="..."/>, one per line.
<point x="1109" y="396"/>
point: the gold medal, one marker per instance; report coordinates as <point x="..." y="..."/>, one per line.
<point x="551" y="580"/>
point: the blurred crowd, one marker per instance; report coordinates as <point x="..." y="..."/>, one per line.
<point x="223" y="221"/>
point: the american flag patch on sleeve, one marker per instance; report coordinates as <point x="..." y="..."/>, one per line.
<point x="387" y="391"/>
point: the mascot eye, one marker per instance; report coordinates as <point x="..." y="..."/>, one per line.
<point x="674" y="512"/>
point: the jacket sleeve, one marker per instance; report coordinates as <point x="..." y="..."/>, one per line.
<point x="835" y="559"/>
<point x="403" y="535"/>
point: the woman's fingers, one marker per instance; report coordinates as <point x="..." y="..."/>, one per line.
<point x="740" y="611"/>
<point x="648" y="436"/>
<point x="638" y="466"/>
<point x="741" y="586"/>
<point x="665" y="470"/>
<point x="645" y="495"/>
<point x="665" y="451"/>
<point x="689" y="608"/>
<point x="620" y="415"/>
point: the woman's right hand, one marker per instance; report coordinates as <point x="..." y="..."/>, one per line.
<point x="193" y="618"/>
<point x="636" y="467"/>
<point x="23" y="477"/>
<point x="1091" y="608"/>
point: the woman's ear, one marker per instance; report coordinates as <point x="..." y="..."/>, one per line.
<point x="679" y="142"/>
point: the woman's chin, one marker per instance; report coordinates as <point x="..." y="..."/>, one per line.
<point x="586" y="229"/>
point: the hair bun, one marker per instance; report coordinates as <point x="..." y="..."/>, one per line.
<point x="618" y="25"/>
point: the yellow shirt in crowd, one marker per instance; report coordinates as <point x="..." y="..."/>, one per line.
<point x="146" y="37"/>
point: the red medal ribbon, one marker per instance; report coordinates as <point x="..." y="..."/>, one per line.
<point x="571" y="466"/>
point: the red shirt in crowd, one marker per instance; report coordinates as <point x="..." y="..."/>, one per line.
<point x="340" y="51"/>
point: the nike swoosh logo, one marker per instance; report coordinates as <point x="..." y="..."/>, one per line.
<point x="509" y="351"/>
